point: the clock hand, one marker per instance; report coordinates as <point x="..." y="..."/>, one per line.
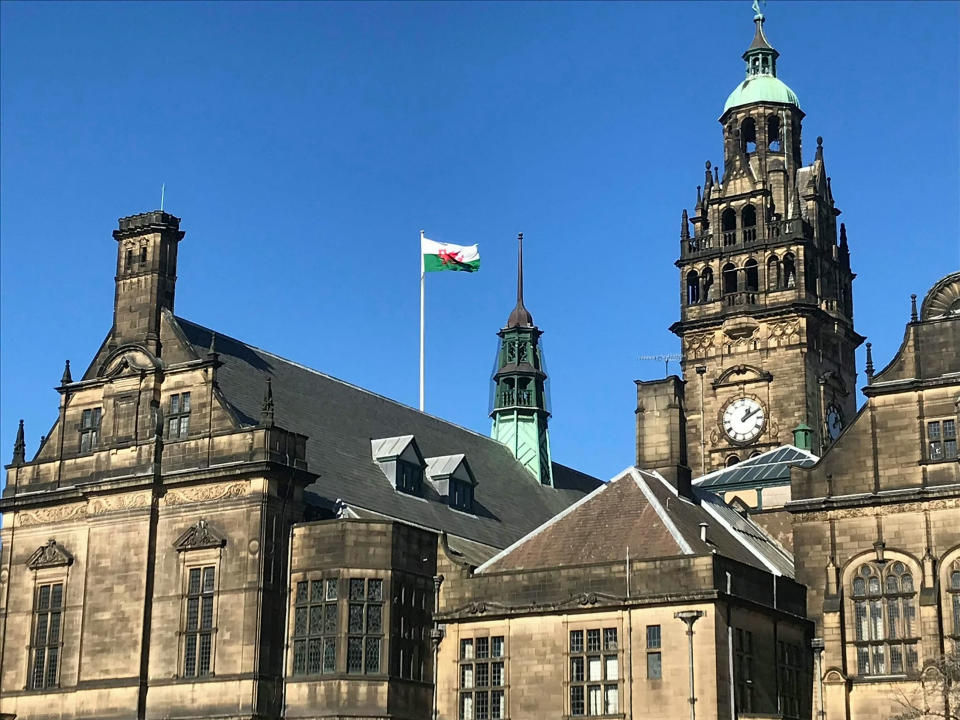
<point x="749" y="413"/>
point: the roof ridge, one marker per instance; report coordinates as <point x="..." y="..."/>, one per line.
<point x="350" y="385"/>
<point x="660" y="509"/>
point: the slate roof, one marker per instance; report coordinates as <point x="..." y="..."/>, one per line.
<point x="769" y="468"/>
<point x="340" y="421"/>
<point x="643" y="512"/>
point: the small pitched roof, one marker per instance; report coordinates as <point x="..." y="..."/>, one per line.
<point x="643" y="512"/>
<point x="444" y="465"/>
<point x="764" y="470"/>
<point x="390" y="448"/>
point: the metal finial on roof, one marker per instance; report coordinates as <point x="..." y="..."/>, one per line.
<point x="266" y="409"/>
<point x="213" y="344"/>
<point x="684" y="226"/>
<point x="913" y="307"/>
<point x="819" y="155"/>
<point x="869" y="361"/>
<point x="520" y="316"/>
<point x="19" y="447"/>
<point x="708" y="177"/>
<point x="757" y="15"/>
<point x="66" y="378"/>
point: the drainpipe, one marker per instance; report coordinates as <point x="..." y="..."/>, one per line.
<point x="690" y="617"/>
<point x="436" y="635"/>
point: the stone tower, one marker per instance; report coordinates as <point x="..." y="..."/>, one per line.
<point x="519" y="407"/>
<point x="766" y="320"/>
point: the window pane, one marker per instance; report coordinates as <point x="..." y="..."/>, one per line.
<point x="54" y="635"/>
<point x="466" y="649"/>
<point x="316" y="619"/>
<point x="87" y="419"/>
<point x="51" y="667"/>
<point x="193" y="587"/>
<point x="193" y="613"/>
<point x="190" y="653"/>
<point x="859" y="587"/>
<point x="56" y="596"/>
<point x="496" y="705"/>
<point x="43" y="601"/>
<point x="301" y="592"/>
<point x="356" y="589"/>
<point x="596" y="702"/>
<point x="329" y="655"/>
<point x="299" y="657"/>
<point x="173" y="427"/>
<point x="482" y="702"/>
<point x="611" y="667"/>
<point x="174" y="404"/>
<point x="206" y="614"/>
<point x="314" y="648"/>
<point x="911" y="657"/>
<point x="576" y="669"/>
<point x="609" y="638"/>
<point x="203" y="665"/>
<point x="576" y="700"/>
<point x="863" y="661"/>
<point x="375" y="590"/>
<point x="593" y="640"/>
<point x="39" y="656"/>
<point x="893" y="618"/>
<point x="876" y="620"/>
<point x="466" y="676"/>
<point x="483" y="674"/>
<point x="466" y="706"/>
<point x="956" y="614"/>
<point x="611" y="699"/>
<point x="873" y="585"/>
<point x="933" y="430"/>
<point x="374" y="624"/>
<point x="330" y="618"/>
<point x="594" y="668"/>
<point x="372" y="662"/>
<point x="909" y="616"/>
<point x="496" y="674"/>
<point x="331" y="589"/>
<point x="184" y="426"/>
<point x="483" y="647"/>
<point x="496" y="643"/>
<point x="41" y="636"/>
<point x="653" y="636"/>
<point x="576" y="641"/>
<point x="907" y="583"/>
<point x="208" y="579"/>
<point x="299" y="621"/>
<point x="185" y="402"/>
<point x="354" y="655"/>
<point x="355" y="622"/>
<point x="653" y="666"/>
<point x="860" y="609"/>
<point x="896" y="659"/>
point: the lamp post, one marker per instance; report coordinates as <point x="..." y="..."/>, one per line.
<point x="690" y="617"/>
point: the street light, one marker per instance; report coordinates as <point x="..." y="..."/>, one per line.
<point x="690" y="617"/>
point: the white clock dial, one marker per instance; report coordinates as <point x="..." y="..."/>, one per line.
<point x="743" y="419"/>
<point x="834" y="422"/>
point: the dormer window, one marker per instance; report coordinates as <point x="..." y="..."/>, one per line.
<point x="409" y="477"/>
<point x="461" y="495"/>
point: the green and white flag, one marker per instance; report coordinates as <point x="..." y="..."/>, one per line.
<point x="444" y="256"/>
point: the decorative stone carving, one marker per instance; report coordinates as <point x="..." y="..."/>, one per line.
<point x="872" y="510"/>
<point x="114" y="503"/>
<point x="205" y="493"/>
<point x="128" y="359"/>
<point x="198" y="537"/>
<point x="49" y="555"/>
<point x="51" y="515"/>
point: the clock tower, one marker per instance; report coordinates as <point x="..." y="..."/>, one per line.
<point x="766" y="320"/>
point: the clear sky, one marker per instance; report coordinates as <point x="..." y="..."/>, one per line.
<point x="304" y="146"/>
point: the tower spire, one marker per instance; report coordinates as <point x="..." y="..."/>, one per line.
<point x="520" y="316"/>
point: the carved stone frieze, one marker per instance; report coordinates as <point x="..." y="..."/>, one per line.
<point x="113" y="503"/>
<point x="205" y="493"/>
<point x="51" y="515"/>
<point x="873" y="510"/>
<point x="49" y="555"/>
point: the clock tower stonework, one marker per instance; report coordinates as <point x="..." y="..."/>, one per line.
<point x="766" y="321"/>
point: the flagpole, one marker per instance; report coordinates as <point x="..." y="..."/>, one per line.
<point x="422" y="273"/>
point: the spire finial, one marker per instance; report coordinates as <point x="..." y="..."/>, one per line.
<point x="266" y="409"/>
<point x="699" y="199"/>
<point x="757" y="15"/>
<point x="913" y="307"/>
<point x="66" y="378"/>
<point x="684" y="226"/>
<point x="19" y="447"/>
<point x="520" y="316"/>
<point x="716" y="175"/>
<point x="869" y="361"/>
<point x="819" y="155"/>
<point x="213" y="344"/>
<point x="795" y="209"/>
<point x="843" y="235"/>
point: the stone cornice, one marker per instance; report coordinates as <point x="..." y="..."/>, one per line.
<point x="906" y="500"/>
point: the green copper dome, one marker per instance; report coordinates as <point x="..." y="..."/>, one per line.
<point x="761" y="83"/>
<point x="761" y="88"/>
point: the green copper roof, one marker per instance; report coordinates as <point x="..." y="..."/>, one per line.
<point x="761" y="88"/>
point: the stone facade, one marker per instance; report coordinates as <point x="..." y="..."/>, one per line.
<point x="876" y="524"/>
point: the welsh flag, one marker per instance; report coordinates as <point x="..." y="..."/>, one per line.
<point x="444" y="256"/>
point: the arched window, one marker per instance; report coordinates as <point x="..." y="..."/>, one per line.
<point x="752" y="276"/>
<point x="952" y="609"/>
<point x="748" y="135"/>
<point x="789" y="271"/>
<point x="773" y="273"/>
<point x="693" y="287"/>
<point x="728" y="226"/>
<point x="706" y="285"/>
<point x="729" y="279"/>
<point x="732" y="460"/>
<point x="748" y="220"/>
<point x="886" y="630"/>
<point x="773" y="133"/>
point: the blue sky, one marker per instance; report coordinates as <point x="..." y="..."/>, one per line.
<point x="304" y="146"/>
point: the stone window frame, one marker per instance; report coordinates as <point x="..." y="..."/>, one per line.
<point x="313" y="598"/>
<point x="743" y="669"/>
<point x="876" y="613"/>
<point x="482" y="654"/>
<point x="367" y="634"/>
<point x="198" y="559"/>
<point x="940" y="434"/>
<point x="88" y="429"/>
<point x="41" y="616"/>
<point x="578" y="699"/>
<point x="179" y="417"/>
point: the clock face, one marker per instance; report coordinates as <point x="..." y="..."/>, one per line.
<point x="834" y="422"/>
<point x="743" y="419"/>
